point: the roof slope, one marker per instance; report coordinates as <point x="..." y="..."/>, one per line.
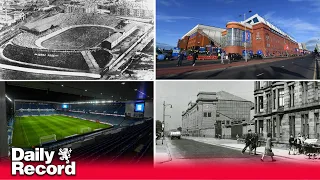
<point x="222" y="95"/>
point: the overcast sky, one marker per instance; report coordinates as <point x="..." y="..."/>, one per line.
<point x="180" y="93"/>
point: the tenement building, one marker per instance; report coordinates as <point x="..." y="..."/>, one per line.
<point x="213" y="111"/>
<point x="285" y="108"/>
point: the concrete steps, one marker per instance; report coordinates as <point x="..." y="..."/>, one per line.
<point x="92" y="63"/>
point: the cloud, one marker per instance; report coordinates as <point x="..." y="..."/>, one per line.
<point x="269" y="15"/>
<point x="311" y="43"/>
<point x="315" y="4"/>
<point x="169" y="3"/>
<point x="294" y="25"/>
<point x="171" y="19"/>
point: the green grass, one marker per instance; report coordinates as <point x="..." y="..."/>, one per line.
<point x="28" y="130"/>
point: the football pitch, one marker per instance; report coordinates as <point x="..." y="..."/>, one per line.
<point x="78" y="38"/>
<point x="28" y="130"/>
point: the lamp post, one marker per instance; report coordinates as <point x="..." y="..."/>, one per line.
<point x="164" y="117"/>
<point x="245" y="34"/>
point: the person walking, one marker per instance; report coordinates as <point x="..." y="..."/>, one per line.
<point x="238" y="140"/>
<point x="180" y="58"/>
<point x="248" y="141"/>
<point x="291" y="145"/>
<point x="298" y="144"/>
<point x="254" y="145"/>
<point x="268" y="148"/>
<point x="195" y="56"/>
<point x="222" y="57"/>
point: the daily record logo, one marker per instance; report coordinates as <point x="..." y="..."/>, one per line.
<point x="19" y="157"/>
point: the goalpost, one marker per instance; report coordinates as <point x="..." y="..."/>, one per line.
<point x="48" y="139"/>
<point x="85" y="130"/>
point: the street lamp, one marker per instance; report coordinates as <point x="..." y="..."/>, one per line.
<point x="245" y="33"/>
<point x="164" y="117"/>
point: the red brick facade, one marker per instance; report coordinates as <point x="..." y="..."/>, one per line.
<point x="263" y="38"/>
<point x="190" y="42"/>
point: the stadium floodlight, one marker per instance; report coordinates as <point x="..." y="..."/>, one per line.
<point x="8" y="98"/>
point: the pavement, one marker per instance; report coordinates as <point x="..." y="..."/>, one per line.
<point x="239" y="146"/>
<point x="192" y="151"/>
<point x="277" y="68"/>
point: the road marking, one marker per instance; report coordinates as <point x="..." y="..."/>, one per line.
<point x="260" y="74"/>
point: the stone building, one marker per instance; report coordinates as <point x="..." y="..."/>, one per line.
<point x="213" y="111"/>
<point x="284" y="108"/>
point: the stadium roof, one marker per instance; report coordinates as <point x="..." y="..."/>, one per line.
<point x="79" y="91"/>
<point x="114" y="37"/>
<point x="203" y="27"/>
<point x="44" y="24"/>
<point x="222" y="95"/>
<point x="255" y="19"/>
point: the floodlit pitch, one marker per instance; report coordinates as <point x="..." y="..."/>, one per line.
<point x="28" y="131"/>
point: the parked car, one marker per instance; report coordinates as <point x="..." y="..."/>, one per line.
<point x="235" y="56"/>
<point x="175" y="134"/>
<point x="257" y="56"/>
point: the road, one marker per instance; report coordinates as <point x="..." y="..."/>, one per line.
<point x="191" y="152"/>
<point x="297" y="68"/>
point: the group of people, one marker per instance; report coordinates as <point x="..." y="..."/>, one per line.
<point x="182" y="55"/>
<point x="252" y="141"/>
<point x="296" y="144"/>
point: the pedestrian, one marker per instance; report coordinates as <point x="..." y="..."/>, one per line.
<point x="298" y="144"/>
<point x="268" y="148"/>
<point x="195" y="56"/>
<point x="291" y="145"/>
<point x="254" y="145"/>
<point x="222" y="56"/>
<point x="248" y="141"/>
<point x="180" y="58"/>
<point x="238" y="138"/>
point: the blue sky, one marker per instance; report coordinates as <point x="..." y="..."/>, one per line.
<point x="299" y="18"/>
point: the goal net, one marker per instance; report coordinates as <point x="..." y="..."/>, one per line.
<point x="85" y="130"/>
<point x="48" y="139"/>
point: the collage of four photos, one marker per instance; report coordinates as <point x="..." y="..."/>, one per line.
<point x="166" y="84"/>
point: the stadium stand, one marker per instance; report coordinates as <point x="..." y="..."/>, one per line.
<point x="44" y="24"/>
<point x="102" y="57"/>
<point x="112" y="146"/>
<point x="116" y="38"/>
<point x="114" y="108"/>
<point x="64" y="59"/>
<point x="110" y="119"/>
<point x="112" y="114"/>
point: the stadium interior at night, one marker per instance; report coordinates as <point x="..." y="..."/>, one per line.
<point x="109" y="120"/>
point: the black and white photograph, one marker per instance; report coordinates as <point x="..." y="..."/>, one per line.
<point x="237" y="122"/>
<point x="77" y="39"/>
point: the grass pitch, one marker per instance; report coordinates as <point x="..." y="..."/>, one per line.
<point x="28" y="130"/>
<point x="78" y="38"/>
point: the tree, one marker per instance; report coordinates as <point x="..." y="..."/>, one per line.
<point x="315" y="50"/>
<point x="158" y="126"/>
<point x="179" y="129"/>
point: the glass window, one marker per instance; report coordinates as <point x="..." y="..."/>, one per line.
<point x="255" y="20"/>
<point x="205" y="114"/>
<point x="209" y="114"/>
<point x="281" y="97"/>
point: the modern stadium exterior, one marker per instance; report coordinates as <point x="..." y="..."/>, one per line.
<point x="265" y="38"/>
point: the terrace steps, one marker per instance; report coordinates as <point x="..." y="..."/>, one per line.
<point x="92" y="63"/>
